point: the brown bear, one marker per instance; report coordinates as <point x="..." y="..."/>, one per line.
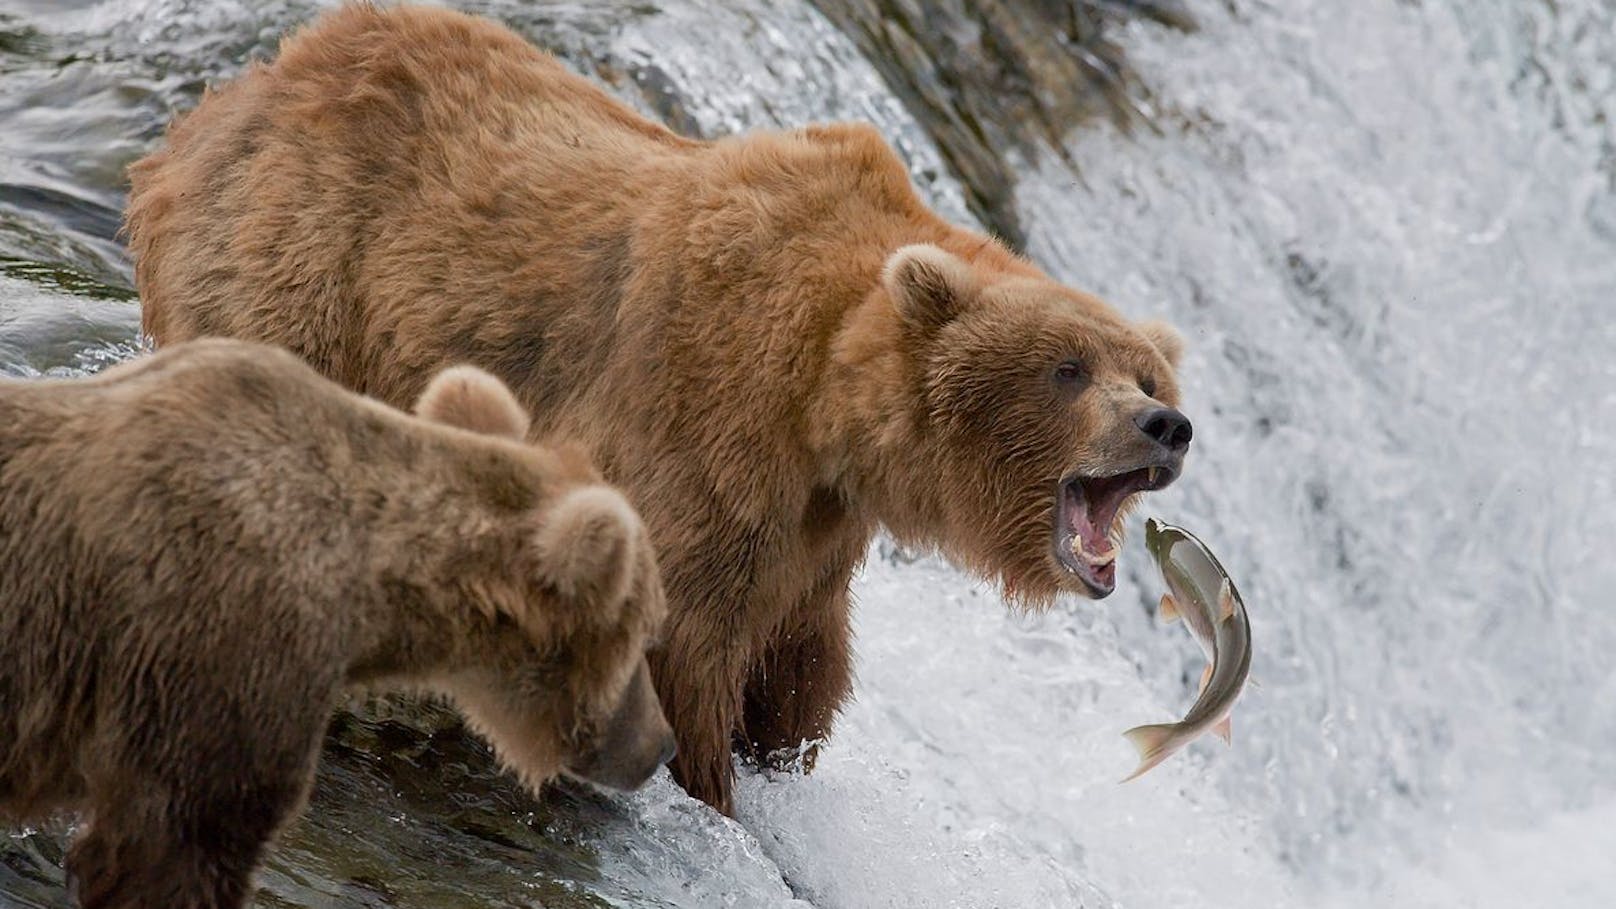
<point x="767" y="341"/>
<point x="200" y="550"/>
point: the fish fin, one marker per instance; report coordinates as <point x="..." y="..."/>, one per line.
<point x="1206" y="676"/>
<point x="1154" y="744"/>
<point x="1226" y="600"/>
<point x="1224" y="730"/>
<point x="1169" y="608"/>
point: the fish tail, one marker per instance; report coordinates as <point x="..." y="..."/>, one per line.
<point x="1154" y="744"/>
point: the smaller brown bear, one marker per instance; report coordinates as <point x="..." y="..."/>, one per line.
<point x="201" y="550"/>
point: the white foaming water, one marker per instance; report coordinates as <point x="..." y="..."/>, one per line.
<point x="977" y="767"/>
<point x="1387" y="231"/>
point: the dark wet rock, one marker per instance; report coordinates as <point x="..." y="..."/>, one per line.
<point x="407" y="810"/>
<point x="993" y="80"/>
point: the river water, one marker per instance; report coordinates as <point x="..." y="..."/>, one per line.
<point x="1388" y="231"/>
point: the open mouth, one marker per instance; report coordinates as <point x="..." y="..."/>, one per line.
<point x="1086" y="508"/>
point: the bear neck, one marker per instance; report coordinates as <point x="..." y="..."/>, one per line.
<point x="866" y="433"/>
<point x="869" y="429"/>
<point x="870" y="424"/>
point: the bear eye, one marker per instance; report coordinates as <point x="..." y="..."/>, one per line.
<point x="1148" y="386"/>
<point x="1069" y="372"/>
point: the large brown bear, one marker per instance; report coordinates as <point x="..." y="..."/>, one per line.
<point x="200" y="550"/>
<point x="767" y="341"/>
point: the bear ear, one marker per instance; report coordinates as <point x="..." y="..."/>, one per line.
<point x="589" y="546"/>
<point x="469" y="398"/>
<point x="1165" y="338"/>
<point x="929" y="286"/>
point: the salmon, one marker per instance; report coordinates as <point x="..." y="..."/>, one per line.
<point x="1200" y="592"/>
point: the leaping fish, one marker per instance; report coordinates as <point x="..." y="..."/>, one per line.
<point x="1200" y="591"/>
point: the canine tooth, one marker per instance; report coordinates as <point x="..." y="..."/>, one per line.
<point x="1100" y="558"/>
<point x="1095" y="559"/>
<point x="1150" y="476"/>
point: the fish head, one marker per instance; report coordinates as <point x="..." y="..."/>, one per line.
<point x="1157" y="540"/>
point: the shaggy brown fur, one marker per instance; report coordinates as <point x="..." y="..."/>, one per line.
<point x="200" y="550"/>
<point x="767" y="341"/>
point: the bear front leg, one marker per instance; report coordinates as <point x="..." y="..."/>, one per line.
<point x="108" y="869"/>
<point x="701" y="697"/>
<point x="799" y="684"/>
<point x="95" y="873"/>
<point x="190" y="837"/>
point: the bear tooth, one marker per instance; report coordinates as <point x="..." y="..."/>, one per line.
<point x="1095" y="559"/>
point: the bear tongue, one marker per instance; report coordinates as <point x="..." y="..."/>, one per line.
<point x="1090" y="508"/>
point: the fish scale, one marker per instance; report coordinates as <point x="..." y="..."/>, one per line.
<point x="1202" y="594"/>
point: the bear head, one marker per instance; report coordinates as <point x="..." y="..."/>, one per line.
<point x="577" y="579"/>
<point x="1031" y="417"/>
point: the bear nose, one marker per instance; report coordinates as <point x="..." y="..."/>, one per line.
<point x="1167" y="427"/>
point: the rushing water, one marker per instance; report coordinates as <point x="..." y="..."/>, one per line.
<point x="1388" y="231"/>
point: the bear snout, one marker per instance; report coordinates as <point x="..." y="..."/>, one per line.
<point x="634" y="742"/>
<point x="1167" y="428"/>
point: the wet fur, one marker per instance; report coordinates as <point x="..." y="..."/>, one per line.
<point x="727" y="327"/>
<point x="202" y="549"/>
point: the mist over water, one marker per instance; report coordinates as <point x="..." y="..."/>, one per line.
<point x="1388" y="233"/>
